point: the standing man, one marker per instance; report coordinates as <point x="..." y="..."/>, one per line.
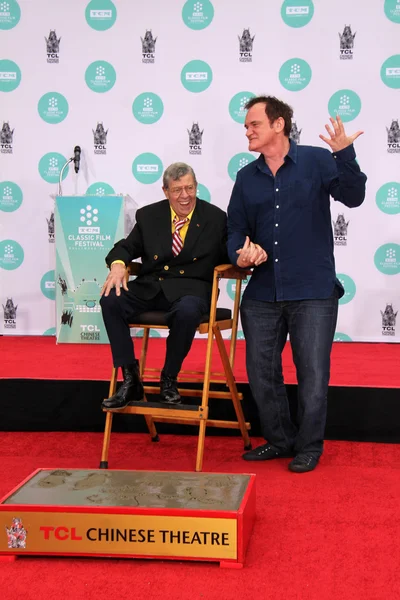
<point x="180" y="240"/>
<point x="279" y="222"/>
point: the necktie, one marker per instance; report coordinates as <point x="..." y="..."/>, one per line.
<point x="177" y="243"/>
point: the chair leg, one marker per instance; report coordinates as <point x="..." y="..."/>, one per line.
<point x="106" y="441"/>
<point x="142" y="363"/>
<point x="200" y="445"/>
<point x="232" y="387"/>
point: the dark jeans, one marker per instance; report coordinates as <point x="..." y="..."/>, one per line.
<point x="183" y="318"/>
<point x="311" y="327"/>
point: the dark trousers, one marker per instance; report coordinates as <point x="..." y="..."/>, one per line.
<point x="183" y="317"/>
<point x="311" y="327"/>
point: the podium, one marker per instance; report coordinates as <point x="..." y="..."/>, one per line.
<point x="86" y="228"/>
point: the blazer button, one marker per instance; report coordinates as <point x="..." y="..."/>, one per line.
<point x="155" y="257"/>
<point x="161" y="279"/>
<point x="181" y="272"/>
<point x="195" y="259"/>
<point x="166" y="268"/>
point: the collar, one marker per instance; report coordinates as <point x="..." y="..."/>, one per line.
<point x="175" y="216"/>
<point x="292" y="155"/>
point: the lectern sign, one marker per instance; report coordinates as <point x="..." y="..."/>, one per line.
<point x="86" y="228"/>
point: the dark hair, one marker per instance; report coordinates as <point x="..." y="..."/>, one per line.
<point x="274" y="109"/>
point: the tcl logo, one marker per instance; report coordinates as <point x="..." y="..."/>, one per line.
<point x="60" y="533"/>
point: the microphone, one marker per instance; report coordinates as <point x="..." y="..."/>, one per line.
<point x="77" y="157"/>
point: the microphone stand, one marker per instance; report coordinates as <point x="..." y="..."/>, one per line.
<point x="61" y="175"/>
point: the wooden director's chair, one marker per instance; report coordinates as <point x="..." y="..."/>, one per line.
<point x="219" y="319"/>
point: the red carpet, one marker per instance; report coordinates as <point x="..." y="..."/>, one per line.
<point x="333" y="533"/>
<point x="353" y="364"/>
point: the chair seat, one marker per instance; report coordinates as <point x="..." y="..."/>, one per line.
<point x="157" y="317"/>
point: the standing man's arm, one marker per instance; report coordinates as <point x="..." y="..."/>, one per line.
<point x="341" y="174"/>
<point x="119" y="257"/>
<point x="242" y="251"/>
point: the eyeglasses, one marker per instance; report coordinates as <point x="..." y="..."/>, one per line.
<point x="189" y="189"/>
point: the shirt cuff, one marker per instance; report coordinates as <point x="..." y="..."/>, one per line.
<point x="117" y="262"/>
<point x="346" y="154"/>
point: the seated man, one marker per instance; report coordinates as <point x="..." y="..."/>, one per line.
<point x="180" y="240"/>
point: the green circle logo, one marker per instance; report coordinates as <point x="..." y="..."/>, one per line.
<point x="10" y="76"/>
<point x="100" y="76"/>
<point x="10" y="14"/>
<point x="10" y="196"/>
<point x="387" y="259"/>
<point x="50" y="166"/>
<point x="392" y="10"/>
<point x="388" y="198"/>
<point x="297" y="13"/>
<point x="196" y="76"/>
<point x="390" y="71"/>
<point x="100" y="189"/>
<point x="237" y="104"/>
<point x="203" y="193"/>
<point x="342" y="337"/>
<point x="197" y="15"/>
<point x="295" y="74"/>
<point x="147" y="168"/>
<point x="346" y="104"/>
<point x="48" y="285"/>
<point x="231" y="288"/>
<point x="237" y="162"/>
<point x="50" y="332"/>
<point x="147" y="108"/>
<point x="11" y="255"/>
<point x="53" y="107"/>
<point x="153" y="333"/>
<point x="100" y="14"/>
<point x="349" y="288"/>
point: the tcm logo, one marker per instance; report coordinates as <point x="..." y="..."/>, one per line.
<point x="295" y="133"/>
<point x="195" y="139"/>
<point x="196" y="76"/>
<point x="90" y="332"/>
<point x="297" y="10"/>
<point x="100" y="139"/>
<point x="59" y="533"/>
<point x="148" y="47"/>
<point x="246" y="46"/>
<point x="101" y="14"/>
<point x="10" y="314"/>
<point x="340" y="230"/>
<point x="6" y="138"/>
<point x="393" y="72"/>
<point x="8" y="75"/>
<point x="53" y="47"/>
<point x="346" y="43"/>
<point x="389" y="320"/>
<point x="89" y="217"/>
<point x="147" y="168"/>
<point x="50" y="228"/>
<point x="50" y="285"/>
<point x="393" y="137"/>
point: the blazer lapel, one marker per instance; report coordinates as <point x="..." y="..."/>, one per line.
<point x="196" y="227"/>
<point x="162" y="229"/>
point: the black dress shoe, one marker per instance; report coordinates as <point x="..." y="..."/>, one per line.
<point x="131" y="390"/>
<point x="303" y="463"/>
<point x="266" y="452"/>
<point x="169" y="389"/>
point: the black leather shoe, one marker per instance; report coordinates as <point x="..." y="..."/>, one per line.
<point x="131" y="390"/>
<point x="266" y="452"/>
<point x="303" y="463"/>
<point x="169" y="389"/>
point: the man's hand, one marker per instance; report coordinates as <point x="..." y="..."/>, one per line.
<point x="251" y="255"/>
<point x="339" y="139"/>
<point x="116" y="278"/>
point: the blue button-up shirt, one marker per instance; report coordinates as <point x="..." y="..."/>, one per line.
<point x="289" y="217"/>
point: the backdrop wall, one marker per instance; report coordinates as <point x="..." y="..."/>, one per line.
<point x="141" y="85"/>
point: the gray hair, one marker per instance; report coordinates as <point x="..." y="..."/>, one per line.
<point x="176" y="171"/>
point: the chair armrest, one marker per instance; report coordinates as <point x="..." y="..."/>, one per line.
<point x="229" y="271"/>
